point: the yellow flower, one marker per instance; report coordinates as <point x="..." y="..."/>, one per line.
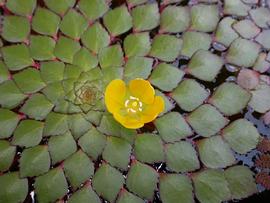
<point x="134" y="104"/>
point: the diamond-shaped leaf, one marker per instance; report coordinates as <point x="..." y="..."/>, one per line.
<point x="61" y="7"/>
<point x="248" y="79"/>
<point x="241" y="182"/>
<point x="137" y="44"/>
<point x="37" y="107"/>
<point x="204" y="18"/>
<point x="93" y="9"/>
<point x="45" y="22"/>
<point x="260" y="16"/>
<point x="8" y="122"/>
<point x="86" y="194"/>
<point x="29" y="80"/>
<point x="230" y="98"/>
<point x="107" y="182"/>
<point x="34" y="161"/>
<point x="206" y="120"/>
<point x="211" y="186"/>
<point x="7" y="154"/>
<point x="263" y="39"/>
<point x="181" y="157"/>
<point x="10" y="95"/>
<point x="246" y="28"/>
<point x="260" y="100"/>
<point x="28" y="133"/>
<point x="175" y="188"/>
<point x="117" y="152"/>
<point x="95" y="38"/>
<point x="262" y="64"/>
<point x="55" y="124"/>
<point x="241" y="135"/>
<point x="4" y="73"/>
<point x="52" y="71"/>
<point x="61" y="147"/>
<point x="65" y="49"/>
<point x="215" y="153"/>
<point x="13" y="188"/>
<point x="21" y="7"/>
<point x="111" y="56"/>
<point x="236" y="7"/>
<point x="78" y="125"/>
<point x="189" y="94"/>
<point x="15" y="28"/>
<point x="142" y="180"/>
<point x="78" y="168"/>
<point x="174" y="19"/>
<point x="194" y="41"/>
<point x="166" y="47"/>
<point x="51" y="186"/>
<point x="118" y="20"/>
<point x="16" y="57"/>
<point x="85" y="60"/>
<point x="127" y="197"/>
<point x="145" y="17"/>
<point x="172" y="127"/>
<point x="204" y="65"/>
<point x="92" y="143"/>
<point x="73" y="24"/>
<point x="243" y="52"/>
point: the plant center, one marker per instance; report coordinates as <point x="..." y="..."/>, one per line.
<point x="133" y="105"/>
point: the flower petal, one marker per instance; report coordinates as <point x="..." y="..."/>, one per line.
<point x="114" y="95"/>
<point x="128" y="121"/>
<point x="151" y="111"/>
<point x="143" y="90"/>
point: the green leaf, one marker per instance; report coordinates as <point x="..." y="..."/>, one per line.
<point x="72" y="72"/>
<point x="225" y="34"/>
<point x="78" y="168"/>
<point x="4" y="73"/>
<point x="8" y="122"/>
<point x="111" y="73"/>
<point x="41" y="47"/>
<point x="78" y="125"/>
<point x="73" y="24"/>
<point x="241" y="182"/>
<point x="16" y="57"/>
<point x="118" y="20"/>
<point x="172" y="127"/>
<point x="107" y="182"/>
<point x="189" y="94"/>
<point x="211" y="186"/>
<point x="117" y="152"/>
<point x="111" y="56"/>
<point x="175" y="188"/>
<point x="66" y="48"/>
<point x="243" y="52"/>
<point x="215" y="153"/>
<point x="15" y="28"/>
<point x="204" y="18"/>
<point x="55" y="124"/>
<point x="29" y="80"/>
<point x="138" y="67"/>
<point x="181" y="157"/>
<point x="262" y="64"/>
<point x="149" y="148"/>
<point x="142" y="180"/>
<point x="174" y="19"/>
<point x="137" y="44"/>
<point x="86" y="194"/>
<point x="260" y="16"/>
<point x="241" y="135"/>
<point x="85" y="59"/>
<point x="13" y="188"/>
<point x="169" y="105"/>
<point x="260" y="100"/>
<point x="206" y="120"/>
<point x="95" y="38"/>
<point x="230" y="98"/>
<point x="145" y="17"/>
<point x="204" y="65"/>
<point x="54" y="92"/>
<point x="263" y="39"/>
<point x="7" y="154"/>
<point x="194" y="41"/>
<point x="166" y="77"/>
<point x="37" y="107"/>
<point x="52" y="71"/>
<point x="61" y="7"/>
<point x="94" y="117"/>
<point x="166" y="47"/>
<point x="28" y="133"/>
<point x="51" y="186"/>
<point x="93" y="9"/>
<point x="21" y="7"/>
<point x="45" y="22"/>
<point x="61" y="147"/>
<point x="92" y="143"/>
<point x="127" y="197"/>
<point x="34" y="161"/>
<point x="236" y="7"/>
<point x="246" y="28"/>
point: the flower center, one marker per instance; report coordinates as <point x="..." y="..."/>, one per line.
<point x="133" y="105"/>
